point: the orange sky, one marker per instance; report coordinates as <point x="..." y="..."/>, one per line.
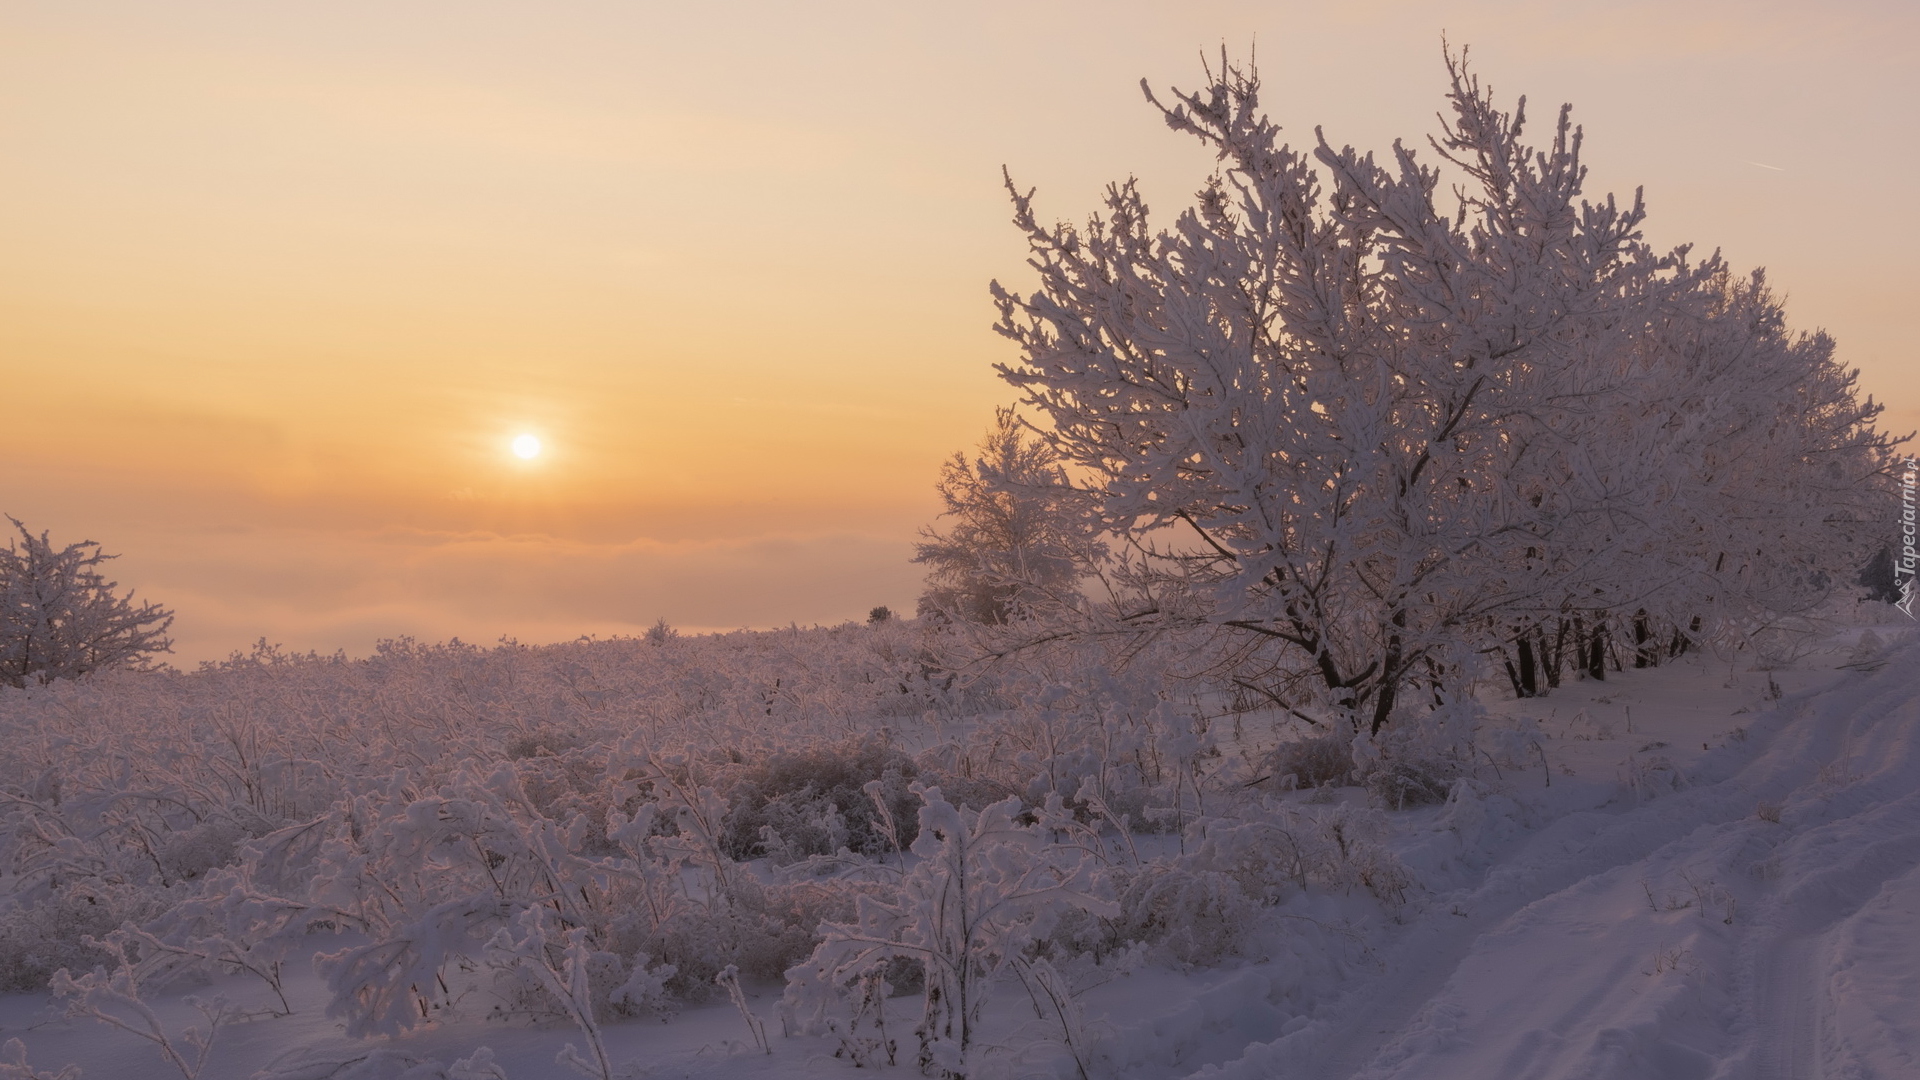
<point x="278" y="282"/>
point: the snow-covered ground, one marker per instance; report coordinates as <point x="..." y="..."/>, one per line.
<point x="1712" y="872"/>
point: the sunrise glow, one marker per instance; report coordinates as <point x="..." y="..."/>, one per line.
<point x="324" y="265"/>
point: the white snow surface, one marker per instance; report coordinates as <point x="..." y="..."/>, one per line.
<point x="1705" y="878"/>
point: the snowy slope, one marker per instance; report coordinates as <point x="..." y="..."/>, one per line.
<point x="1687" y="935"/>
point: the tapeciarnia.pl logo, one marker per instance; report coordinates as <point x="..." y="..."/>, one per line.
<point x="1904" y="568"/>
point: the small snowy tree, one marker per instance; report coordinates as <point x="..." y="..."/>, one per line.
<point x="60" y="617"/>
<point x="1010" y="544"/>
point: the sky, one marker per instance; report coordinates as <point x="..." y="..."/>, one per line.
<point x="279" y="283"/>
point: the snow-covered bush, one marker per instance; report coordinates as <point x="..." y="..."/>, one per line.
<point x="1415" y="762"/>
<point x="1321" y="758"/>
<point x="112" y="997"/>
<point x="984" y="888"/>
<point x="42" y="931"/>
<point x="561" y="965"/>
<point x="1205" y="905"/>
<point x="794" y="803"/>
<point x="1349" y="850"/>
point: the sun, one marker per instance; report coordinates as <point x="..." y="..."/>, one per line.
<point x="526" y="447"/>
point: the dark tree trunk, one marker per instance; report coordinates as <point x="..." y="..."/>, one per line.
<point x="1684" y="641"/>
<point x="1383" y="705"/>
<point x="1528" y="683"/>
<point x="1645" y="652"/>
<point x="1390" y="674"/>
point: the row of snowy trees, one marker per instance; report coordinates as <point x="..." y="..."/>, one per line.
<point x="1360" y="435"/>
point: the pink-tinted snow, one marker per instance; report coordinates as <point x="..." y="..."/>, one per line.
<point x="1713" y="873"/>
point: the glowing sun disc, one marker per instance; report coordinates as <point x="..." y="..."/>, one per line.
<point x="526" y="446"/>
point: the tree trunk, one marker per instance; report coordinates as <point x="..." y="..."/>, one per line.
<point x="1645" y="652"/>
<point x="1390" y="669"/>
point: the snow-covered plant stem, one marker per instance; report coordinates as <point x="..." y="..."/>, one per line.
<point x="529" y="942"/>
<point x="1050" y="993"/>
<point x="13" y="1065"/>
<point x="107" y="995"/>
<point x="729" y="977"/>
<point x="218" y="951"/>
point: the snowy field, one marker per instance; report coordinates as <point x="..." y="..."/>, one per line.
<point x="1695" y="871"/>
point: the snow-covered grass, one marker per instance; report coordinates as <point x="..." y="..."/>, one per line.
<point x="376" y="868"/>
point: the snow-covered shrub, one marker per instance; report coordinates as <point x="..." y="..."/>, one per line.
<point x="1102" y="732"/>
<point x="1204" y="905"/>
<point x="813" y="801"/>
<point x="732" y="918"/>
<point x="1321" y="758"/>
<point x="208" y="845"/>
<point x="1348" y="848"/>
<point x="1649" y="776"/>
<point x="61" y="619"/>
<point x="112" y="997"/>
<point x="1397" y="784"/>
<point x="560" y="964"/>
<point x="1415" y="761"/>
<point x="1867" y="649"/>
<point x="42" y="931"/>
<point x="983" y="890"/>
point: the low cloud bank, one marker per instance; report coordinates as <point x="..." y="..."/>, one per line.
<point x="326" y="591"/>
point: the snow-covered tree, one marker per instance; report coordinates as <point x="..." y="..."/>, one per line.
<point x="1010" y="544"/>
<point x="60" y="617"/>
<point x="1729" y="487"/>
<point x="1367" y="434"/>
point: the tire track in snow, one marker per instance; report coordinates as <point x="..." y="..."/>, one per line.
<point x="1581" y="848"/>
<point x="1787" y="1009"/>
<point x="1792" y="970"/>
<point x="1566" y="852"/>
<point x="1383" y="1021"/>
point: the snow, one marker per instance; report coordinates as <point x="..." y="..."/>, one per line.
<point x="1730" y="889"/>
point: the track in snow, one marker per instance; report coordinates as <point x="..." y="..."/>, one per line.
<point x="1609" y="945"/>
<point x="1786" y="1011"/>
